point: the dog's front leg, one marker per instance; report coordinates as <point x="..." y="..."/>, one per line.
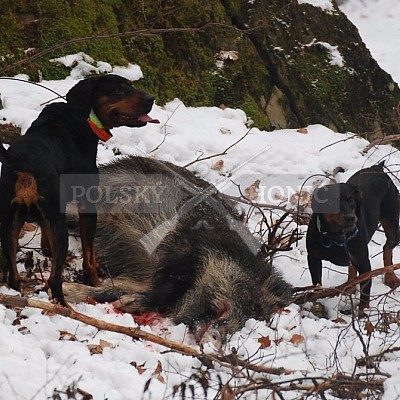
<point x="315" y="267"/>
<point x="360" y="259"/>
<point x="87" y="228"/>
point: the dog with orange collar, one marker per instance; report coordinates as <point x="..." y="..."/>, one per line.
<point x="41" y="168"/>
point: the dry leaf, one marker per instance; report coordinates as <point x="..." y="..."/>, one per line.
<point x="339" y="321"/>
<point x="232" y="55"/>
<point x="140" y="368"/>
<point x="302" y="130"/>
<point x="29" y="227"/>
<point x="218" y="165"/>
<point x="26" y="228"/>
<point x="98" y="348"/>
<point x="95" y="349"/>
<point x="252" y="190"/>
<point x="157" y="373"/>
<point x="280" y="197"/>
<point x="301" y="198"/>
<point x="158" y="369"/>
<point x="297" y="339"/>
<point x="225" y="131"/>
<point x="64" y="335"/>
<point x="24" y="330"/>
<point x="369" y="327"/>
<point x="104" y="344"/>
<point x="264" y="341"/>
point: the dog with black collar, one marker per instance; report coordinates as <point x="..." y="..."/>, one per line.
<point x="345" y="217"/>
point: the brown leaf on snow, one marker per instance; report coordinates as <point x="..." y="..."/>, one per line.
<point x="24" y="330"/>
<point x="157" y="372"/>
<point x="280" y="197"/>
<point x="218" y="165"/>
<point x="297" y="339"/>
<point x="339" y="320"/>
<point x="98" y="348"/>
<point x="140" y="368"/>
<point x="264" y="341"/>
<point x="95" y="349"/>
<point x="64" y="335"/>
<point x="252" y="190"/>
<point x="26" y="228"/>
<point x="301" y="198"/>
<point x="302" y="130"/>
<point x="29" y="227"/>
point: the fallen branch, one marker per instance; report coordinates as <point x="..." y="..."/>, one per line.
<point x="349" y="387"/>
<point x="313" y="293"/>
<point x="384" y="140"/>
<point x="222" y="153"/>
<point x="137" y="333"/>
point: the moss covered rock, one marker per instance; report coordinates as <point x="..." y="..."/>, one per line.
<point x="285" y="64"/>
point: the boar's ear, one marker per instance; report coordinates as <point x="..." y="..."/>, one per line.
<point x="79" y="98"/>
<point x="223" y="308"/>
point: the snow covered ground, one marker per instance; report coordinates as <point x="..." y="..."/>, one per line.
<point x="41" y="354"/>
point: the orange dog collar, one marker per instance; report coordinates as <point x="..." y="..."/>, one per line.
<point x="98" y="129"/>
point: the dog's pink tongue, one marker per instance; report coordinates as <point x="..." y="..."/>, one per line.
<point x="146" y="118"/>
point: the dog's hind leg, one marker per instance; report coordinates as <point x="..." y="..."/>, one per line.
<point x="390" y="223"/>
<point x="57" y="234"/>
<point x="9" y="234"/>
<point x="45" y="240"/>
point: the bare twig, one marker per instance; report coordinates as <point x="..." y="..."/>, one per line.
<point x="136" y="333"/>
<point x="313" y="293"/>
<point x="165" y="127"/>
<point x="222" y="153"/>
<point x="377" y="142"/>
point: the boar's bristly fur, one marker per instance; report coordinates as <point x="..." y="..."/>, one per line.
<point x="172" y="243"/>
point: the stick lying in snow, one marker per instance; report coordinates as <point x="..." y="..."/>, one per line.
<point x="136" y="333"/>
<point x="312" y="293"/>
<point x="377" y="142"/>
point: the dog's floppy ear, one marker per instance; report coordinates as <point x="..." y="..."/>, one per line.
<point x="357" y="196"/>
<point x="79" y="98"/>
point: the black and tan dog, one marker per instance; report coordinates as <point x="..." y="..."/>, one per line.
<point x="345" y="217"/>
<point x="40" y="169"/>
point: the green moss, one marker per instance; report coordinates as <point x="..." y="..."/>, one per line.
<point x="47" y="23"/>
<point x="321" y="79"/>
<point x="252" y="110"/>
